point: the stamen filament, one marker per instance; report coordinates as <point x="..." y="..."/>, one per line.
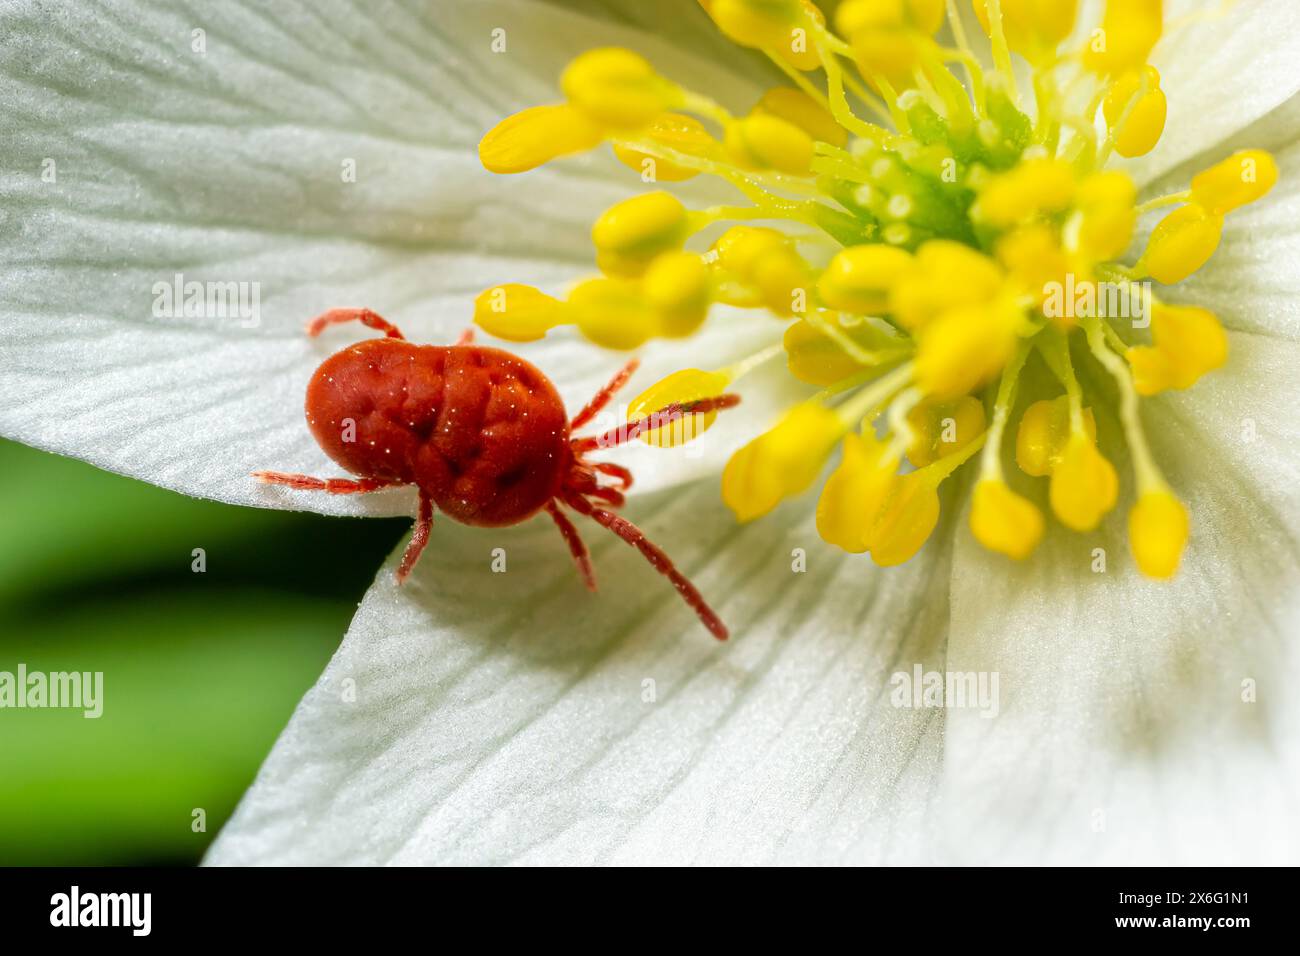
<point x="1145" y="470"/>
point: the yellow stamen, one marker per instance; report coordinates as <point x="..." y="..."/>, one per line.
<point x="1045" y="429"/>
<point x="673" y="131"/>
<point x="858" y="278"/>
<point x="688" y="385"/>
<point x="517" y="313"/>
<point x="1242" y="178"/>
<point x="618" y="88"/>
<point x="1181" y="243"/>
<point x="1189" y="341"/>
<point x="612" y="313"/>
<point x="942" y="428"/>
<point x="762" y="141"/>
<point x="1137" y="100"/>
<point x="781" y="462"/>
<point x="1003" y="521"/>
<point x="535" y="136"/>
<point x="676" y="286"/>
<point x="630" y="234"/>
<point x="1157" y="533"/>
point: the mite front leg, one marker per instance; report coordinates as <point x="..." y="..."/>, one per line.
<point x="466" y="337"/>
<point x="419" y="537"/>
<point x="603" y="397"/>
<point x="364" y="316"/>
<point x="334" y="486"/>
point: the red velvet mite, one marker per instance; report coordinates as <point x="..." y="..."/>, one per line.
<point x="484" y="437"/>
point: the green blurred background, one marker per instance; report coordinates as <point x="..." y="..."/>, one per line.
<point x="201" y="671"/>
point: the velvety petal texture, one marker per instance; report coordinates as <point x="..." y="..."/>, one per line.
<point x="481" y="717"/>
<point x="1150" y="722"/>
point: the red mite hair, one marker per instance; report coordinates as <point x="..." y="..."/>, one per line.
<point x="482" y="434"/>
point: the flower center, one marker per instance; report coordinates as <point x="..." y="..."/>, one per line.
<point x="921" y="258"/>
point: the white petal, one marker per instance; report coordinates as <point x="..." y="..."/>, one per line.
<point x="501" y="718"/>
<point x="228" y="166"/>
<point x="1251" y="281"/>
<point x="1221" y="71"/>
<point x="1123" y="735"/>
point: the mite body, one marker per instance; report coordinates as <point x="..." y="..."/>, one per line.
<point x="482" y="434"/>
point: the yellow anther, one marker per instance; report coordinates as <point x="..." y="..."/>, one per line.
<point x="1043" y="433"/>
<point x="1033" y="258"/>
<point x="1241" y="178"/>
<point x="1033" y="28"/>
<point x="943" y="275"/>
<point x="762" y="141"/>
<point x="781" y="26"/>
<point x="617" y="88"/>
<point x="1084" y="485"/>
<point x="942" y="428"/>
<point x="783" y="280"/>
<point x="518" y="313"/>
<point x="740" y="247"/>
<point x="965" y="347"/>
<point x="612" y="313"/>
<point x="855" y="493"/>
<point x="797" y="107"/>
<point x="688" y="385"/>
<point x="858" y="278"/>
<point x="1181" y="243"/>
<point x="630" y="234"/>
<point x="676" y="285"/>
<point x="677" y="132"/>
<point x="906" y="520"/>
<point x="818" y="359"/>
<point x="1189" y="341"/>
<point x="1108" y="215"/>
<point x="885" y="34"/>
<point x="1157" y="532"/>
<point x="535" y="136"/>
<point x="767" y="262"/>
<point x="1003" y="521"/>
<point x="1033" y="188"/>
<point x="1141" y="131"/>
<point x="1123" y="42"/>
<point x="780" y="463"/>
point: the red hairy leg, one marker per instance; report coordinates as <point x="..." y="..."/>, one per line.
<point x="335" y="486"/>
<point x="623" y="475"/>
<point x="577" y="548"/>
<point x="364" y="316"/>
<point x="419" y="537"/>
<point x="602" y="398"/>
<point x="466" y="337"/>
<point x="665" y="416"/>
<point x="655" y="555"/>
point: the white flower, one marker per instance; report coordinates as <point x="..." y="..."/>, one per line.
<point x="493" y="718"/>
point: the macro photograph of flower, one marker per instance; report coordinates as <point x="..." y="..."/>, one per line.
<point x="695" y="432"/>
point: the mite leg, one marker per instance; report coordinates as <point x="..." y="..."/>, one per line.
<point x="364" y="316"/>
<point x="665" y="416"/>
<point x="466" y="337"/>
<point x="419" y="537"/>
<point x="602" y="398"/>
<point x="577" y="548"/>
<point x="335" y="486"/>
<point x="623" y="475"/>
<point x="655" y="555"/>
